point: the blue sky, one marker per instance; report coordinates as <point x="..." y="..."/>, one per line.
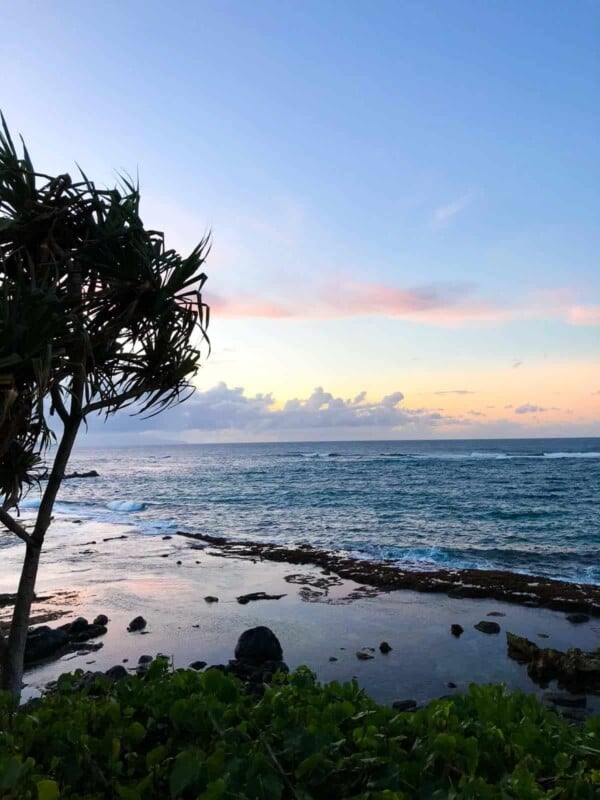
<point x="403" y="196"/>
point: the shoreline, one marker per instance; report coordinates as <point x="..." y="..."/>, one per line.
<point x="510" y="587"/>
<point x="323" y="609"/>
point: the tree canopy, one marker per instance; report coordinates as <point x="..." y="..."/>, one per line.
<point x="96" y="313"/>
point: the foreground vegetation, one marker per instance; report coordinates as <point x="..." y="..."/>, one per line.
<point x="185" y="734"/>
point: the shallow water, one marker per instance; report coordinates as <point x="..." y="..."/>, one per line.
<point x="522" y="505"/>
<point x="126" y="577"/>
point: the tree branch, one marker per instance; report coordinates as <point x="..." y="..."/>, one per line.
<point x="13" y="526"/>
<point x="118" y="400"/>
<point x="58" y="404"/>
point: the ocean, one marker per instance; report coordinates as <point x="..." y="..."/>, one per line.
<point x="529" y="506"/>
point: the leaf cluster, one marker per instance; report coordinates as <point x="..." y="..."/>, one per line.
<point x="96" y="313"/>
<point x="187" y="735"/>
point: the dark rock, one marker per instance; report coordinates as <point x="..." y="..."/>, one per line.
<point x="101" y="619"/>
<point x="137" y="624"/>
<point x="487" y="627"/>
<point x="566" y="700"/>
<point x="456" y="630"/>
<point x="166" y="538"/>
<point x="451" y="685"/>
<point x="248" y="598"/>
<point x="404" y="705"/>
<point x="496" y="614"/>
<point x="91" y="632"/>
<point x="210" y="599"/>
<point x="116" y="673"/>
<point x="364" y="655"/>
<point x="574" y="670"/>
<point x="90" y="474"/>
<point x="77" y="626"/>
<point x="258" y="645"/>
<point x="114" y="538"/>
<point x="332" y="658"/>
<point x="45" y="642"/>
<point x="179" y="563"/>
<point x="385" y="647"/>
<point x="197" y="664"/>
<point x="520" y="649"/>
<point x="543" y="635"/>
<point x="578" y="619"/>
<point x="145" y="659"/>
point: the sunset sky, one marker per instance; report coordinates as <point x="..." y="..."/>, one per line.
<point x="403" y="197"/>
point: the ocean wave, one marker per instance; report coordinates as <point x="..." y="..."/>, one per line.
<point x="126" y="505"/>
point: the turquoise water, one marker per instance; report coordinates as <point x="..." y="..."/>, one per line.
<point x="523" y="505"/>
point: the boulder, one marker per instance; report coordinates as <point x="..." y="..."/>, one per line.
<point x="384" y="647"/>
<point x="258" y="645"/>
<point x="77" y="626"/>
<point x="145" y="659"/>
<point x="520" y="649"/>
<point x="116" y="673"/>
<point x="211" y="599"/>
<point x="90" y="632"/>
<point x="578" y="618"/>
<point x="364" y="655"/>
<point x="45" y="642"/>
<point x="197" y="664"/>
<point x="101" y="619"/>
<point x="137" y="624"/>
<point x="485" y="626"/>
<point x="456" y="630"/>
<point x="404" y="705"/>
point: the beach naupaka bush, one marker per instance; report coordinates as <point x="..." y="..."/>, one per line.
<point x="184" y="735"/>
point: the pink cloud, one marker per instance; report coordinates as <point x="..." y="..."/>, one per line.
<point x="584" y="315"/>
<point x="444" y="304"/>
<point x="441" y="304"/>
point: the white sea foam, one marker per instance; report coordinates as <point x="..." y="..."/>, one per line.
<point x="126" y="505"/>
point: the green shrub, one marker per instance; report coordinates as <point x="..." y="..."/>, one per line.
<point x="184" y="734"/>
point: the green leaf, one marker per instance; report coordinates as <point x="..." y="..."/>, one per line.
<point x="47" y="790"/>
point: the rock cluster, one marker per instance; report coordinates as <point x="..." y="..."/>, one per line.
<point x="44" y="642"/>
<point x="574" y="670"/>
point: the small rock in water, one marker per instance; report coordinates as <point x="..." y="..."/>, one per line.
<point x="210" y="599"/>
<point x="404" y="705"/>
<point x="496" y="614"/>
<point x="363" y="655"/>
<point x="332" y="658"/>
<point x="385" y="647"/>
<point x="243" y="599"/>
<point x="101" y="619"/>
<point x="145" y="659"/>
<point x="578" y="618"/>
<point x="179" y="563"/>
<point x="543" y="635"/>
<point x="487" y="627"/>
<point x="137" y="624"/>
<point x="456" y="630"/>
<point x="166" y="538"/>
<point x="451" y="685"/>
<point x="78" y="625"/>
<point x="197" y="664"/>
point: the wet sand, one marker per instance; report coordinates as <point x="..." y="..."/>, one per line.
<point x="320" y="617"/>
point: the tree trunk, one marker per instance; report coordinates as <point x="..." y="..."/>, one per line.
<point x="11" y="679"/>
<point x="13" y="650"/>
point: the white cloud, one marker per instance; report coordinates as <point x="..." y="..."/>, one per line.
<point x="443" y="215"/>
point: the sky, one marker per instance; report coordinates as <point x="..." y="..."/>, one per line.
<point x="403" y="199"/>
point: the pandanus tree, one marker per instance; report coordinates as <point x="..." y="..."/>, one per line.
<point x="96" y="316"/>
